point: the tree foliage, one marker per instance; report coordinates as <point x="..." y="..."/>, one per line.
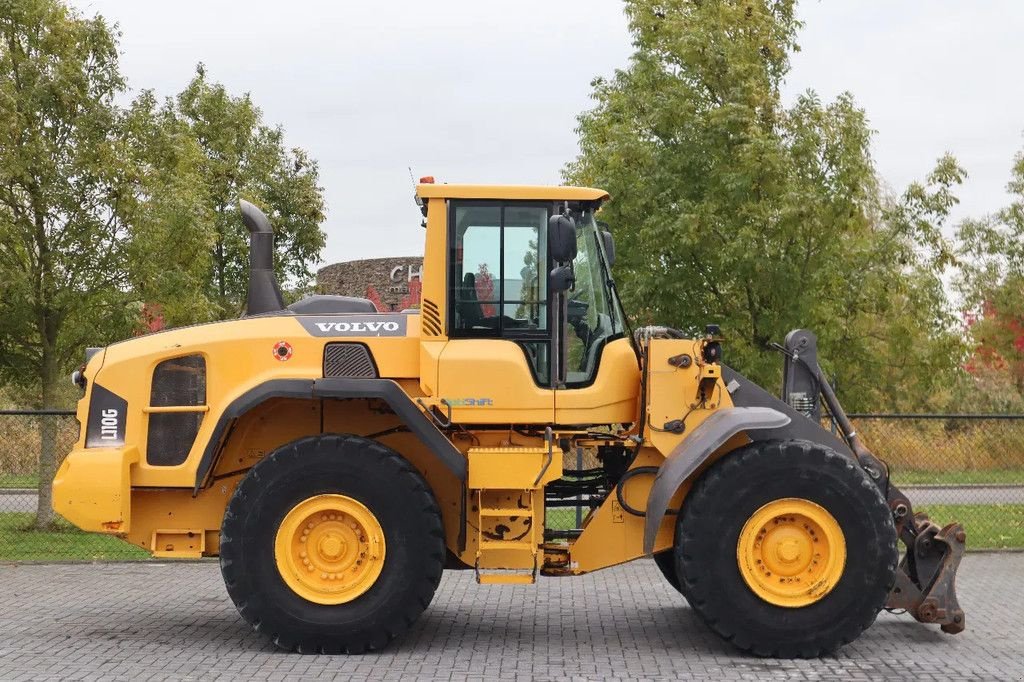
<point x="108" y="213"/>
<point x="71" y="195"/>
<point x="730" y="207"/>
<point x="244" y="157"/>
<point x="89" y="194"/>
<point x="992" y="285"/>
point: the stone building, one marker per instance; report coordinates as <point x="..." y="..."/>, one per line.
<point x="391" y="283"/>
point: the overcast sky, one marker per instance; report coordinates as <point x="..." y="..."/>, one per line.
<point x="488" y="92"/>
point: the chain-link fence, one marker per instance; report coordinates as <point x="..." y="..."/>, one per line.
<point x="957" y="467"/>
<point x="32" y="445"/>
<point x="968" y="468"/>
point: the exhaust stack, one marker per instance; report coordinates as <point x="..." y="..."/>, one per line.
<point x="264" y="293"/>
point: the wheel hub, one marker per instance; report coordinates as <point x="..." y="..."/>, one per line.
<point x="329" y="549"/>
<point x="791" y="552"/>
<point x="332" y="546"/>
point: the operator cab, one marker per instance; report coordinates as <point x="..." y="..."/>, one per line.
<point x="503" y="283"/>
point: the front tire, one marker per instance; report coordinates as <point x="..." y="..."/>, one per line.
<point x="786" y="549"/>
<point x="332" y="544"/>
<point x="666" y="563"/>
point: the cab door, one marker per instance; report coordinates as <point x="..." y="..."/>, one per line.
<point x="602" y="378"/>
<point x="495" y="368"/>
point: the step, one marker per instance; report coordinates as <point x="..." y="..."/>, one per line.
<point x="505" y="511"/>
<point x="512" y="468"/>
<point x="505" y="578"/>
<point x="525" y="545"/>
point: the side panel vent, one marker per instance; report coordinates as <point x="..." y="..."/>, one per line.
<point x="350" y="360"/>
<point x="430" y="317"/>
<point x="179" y="383"/>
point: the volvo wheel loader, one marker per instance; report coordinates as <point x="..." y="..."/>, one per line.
<point x="337" y="459"/>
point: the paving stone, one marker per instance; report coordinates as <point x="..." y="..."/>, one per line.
<point x="175" y="621"/>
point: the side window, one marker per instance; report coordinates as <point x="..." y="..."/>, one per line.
<point x="177" y="403"/>
<point x="498" y="267"/>
<point x="476" y="262"/>
<point x="498" y="276"/>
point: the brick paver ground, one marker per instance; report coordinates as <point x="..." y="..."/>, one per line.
<point x="156" y="621"/>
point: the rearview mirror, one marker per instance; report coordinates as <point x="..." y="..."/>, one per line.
<point x="560" y="279"/>
<point x="562" y="238"/>
<point x="609" y="246"/>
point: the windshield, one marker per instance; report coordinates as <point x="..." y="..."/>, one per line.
<point x="595" y="315"/>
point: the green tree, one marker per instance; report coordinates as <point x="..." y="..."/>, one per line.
<point x="731" y="208"/>
<point x="71" y="188"/>
<point x="174" y="231"/>
<point x="243" y="157"/>
<point x="991" y="282"/>
<point x="60" y="222"/>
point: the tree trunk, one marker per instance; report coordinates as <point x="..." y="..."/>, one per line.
<point x="47" y="441"/>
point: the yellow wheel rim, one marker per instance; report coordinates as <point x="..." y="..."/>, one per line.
<point x="329" y="549"/>
<point x="791" y="552"/>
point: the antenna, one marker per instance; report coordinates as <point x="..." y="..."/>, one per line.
<point x="416" y="198"/>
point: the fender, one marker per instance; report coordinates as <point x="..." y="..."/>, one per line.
<point x="689" y="455"/>
<point x="315" y="389"/>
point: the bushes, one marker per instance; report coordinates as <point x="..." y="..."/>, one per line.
<point x="956" y="444"/>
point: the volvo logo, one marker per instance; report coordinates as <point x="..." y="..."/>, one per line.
<point x="355" y="325"/>
<point x="373" y="327"/>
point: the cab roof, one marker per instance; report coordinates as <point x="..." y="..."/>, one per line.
<point x="538" y="192"/>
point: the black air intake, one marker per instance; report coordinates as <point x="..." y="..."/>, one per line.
<point x="264" y="292"/>
<point x="351" y="360"/>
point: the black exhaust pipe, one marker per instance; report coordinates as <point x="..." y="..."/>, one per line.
<point x="264" y="293"/>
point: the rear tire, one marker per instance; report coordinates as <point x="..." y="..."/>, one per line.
<point x="369" y="476"/>
<point x="720" y="510"/>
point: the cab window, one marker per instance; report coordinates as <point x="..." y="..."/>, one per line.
<point x="594" y="315"/>
<point x="497" y="273"/>
<point x="498" y="284"/>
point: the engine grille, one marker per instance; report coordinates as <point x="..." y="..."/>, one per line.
<point x="351" y="360"/>
<point x="171" y="435"/>
<point x="179" y="382"/>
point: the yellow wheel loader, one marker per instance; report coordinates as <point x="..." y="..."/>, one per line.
<point x="337" y="459"/>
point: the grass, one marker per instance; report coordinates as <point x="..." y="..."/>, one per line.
<point x="975" y="476"/>
<point x="988" y="526"/>
<point x="19" y="480"/>
<point x="64" y="542"/>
